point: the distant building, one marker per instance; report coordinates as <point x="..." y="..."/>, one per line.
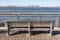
<point x="37" y="6"/>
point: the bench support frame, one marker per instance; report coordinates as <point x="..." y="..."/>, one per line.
<point x="29" y="27"/>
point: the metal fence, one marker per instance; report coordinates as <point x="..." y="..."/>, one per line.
<point x="26" y="18"/>
<point x="30" y="17"/>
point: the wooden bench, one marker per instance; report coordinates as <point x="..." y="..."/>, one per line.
<point x="19" y="24"/>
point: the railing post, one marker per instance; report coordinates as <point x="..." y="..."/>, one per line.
<point x="17" y="17"/>
<point x="57" y="21"/>
<point x="38" y="18"/>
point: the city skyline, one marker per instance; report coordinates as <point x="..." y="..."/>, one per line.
<point x="41" y="3"/>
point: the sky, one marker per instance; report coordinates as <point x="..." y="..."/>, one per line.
<point x="42" y="3"/>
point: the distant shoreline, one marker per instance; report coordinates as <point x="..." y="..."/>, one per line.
<point x="27" y="7"/>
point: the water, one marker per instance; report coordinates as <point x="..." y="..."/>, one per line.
<point x="29" y="9"/>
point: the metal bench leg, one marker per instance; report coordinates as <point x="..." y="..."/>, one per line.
<point x="8" y="31"/>
<point x="8" y="28"/>
<point x="29" y="28"/>
<point x="51" y="30"/>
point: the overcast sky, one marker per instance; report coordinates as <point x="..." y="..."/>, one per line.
<point x="46" y="3"/>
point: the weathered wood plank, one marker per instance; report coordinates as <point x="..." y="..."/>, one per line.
<point x="24" y="36"/>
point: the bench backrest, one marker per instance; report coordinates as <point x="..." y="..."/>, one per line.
<point x="32" y="24"/>
<point x="18" y="24"/>
<point x="41" y="24"/>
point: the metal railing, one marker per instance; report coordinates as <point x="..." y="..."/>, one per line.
<point x="28" y="17"/>
<point x="23" y="17"/>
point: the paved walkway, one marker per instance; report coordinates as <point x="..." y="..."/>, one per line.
<point x="24" y="36"/>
